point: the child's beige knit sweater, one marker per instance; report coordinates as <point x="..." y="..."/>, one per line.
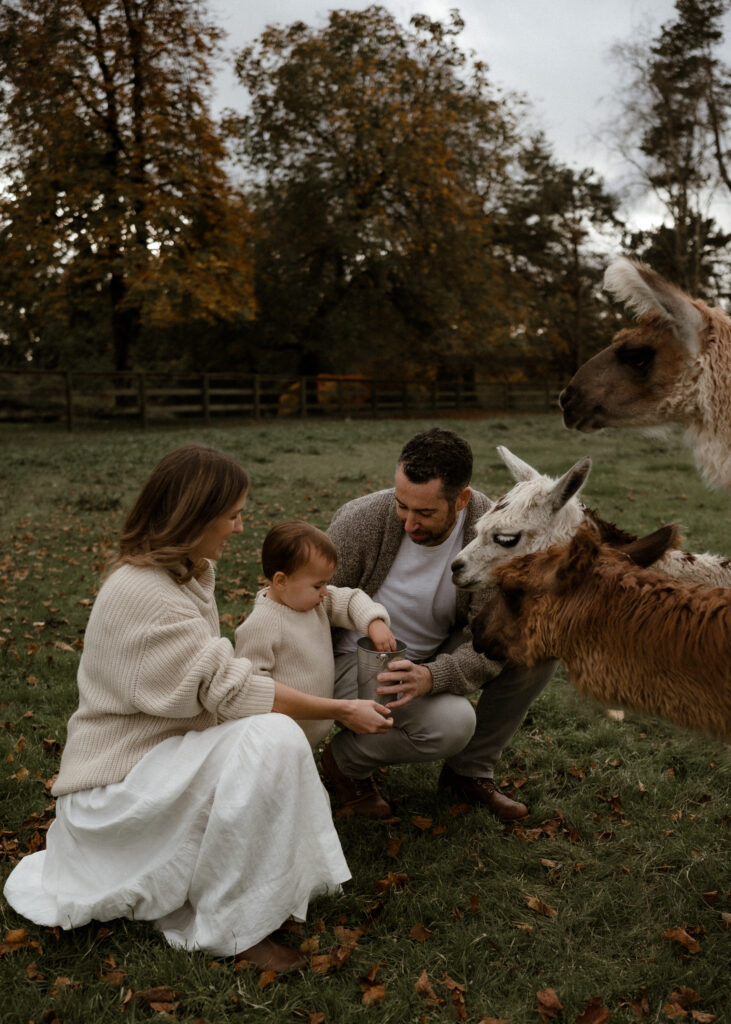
<point x="154" y="665"/>
<point x="296" y="647"/>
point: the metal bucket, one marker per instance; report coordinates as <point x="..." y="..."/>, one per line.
<point x="370" y="663"/>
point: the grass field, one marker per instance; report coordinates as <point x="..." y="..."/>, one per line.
<point x="611" y="902"/>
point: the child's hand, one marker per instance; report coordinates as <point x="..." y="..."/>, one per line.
<point x="382" y="637"/>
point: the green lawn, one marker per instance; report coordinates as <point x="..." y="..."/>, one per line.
<point x="616" y="891"/>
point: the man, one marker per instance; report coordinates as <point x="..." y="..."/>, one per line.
<point x="398" y="546"/>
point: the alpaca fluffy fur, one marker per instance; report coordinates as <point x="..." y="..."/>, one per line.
<point x="673" y="366"/>
<point x="540" y="511"/>
<point x="627" y="635"/>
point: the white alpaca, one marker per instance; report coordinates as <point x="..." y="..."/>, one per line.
<point x="674" y="366"/>
<point x="540" y="511"/>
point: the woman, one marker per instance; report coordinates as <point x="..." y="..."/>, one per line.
<point x="182" y="799"/>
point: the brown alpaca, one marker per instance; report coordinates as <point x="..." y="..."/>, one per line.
<point x="674" y="366"/>
<point x="627" y="635"/>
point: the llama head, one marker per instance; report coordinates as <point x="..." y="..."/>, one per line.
<point x="508" y="626"/>
<point x="644" y="377"/>
<point x="537" y="512"/>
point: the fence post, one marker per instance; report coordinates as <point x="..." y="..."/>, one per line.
<point x="303" y="396"/>
<point x="374" y="396"/>
<point x="142" y="398"/>
<point x="206" y="398"/>
<point x="69" y="401"/>
<point x="257" y="397"/>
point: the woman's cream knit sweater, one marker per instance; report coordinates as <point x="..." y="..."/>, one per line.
<point x="154" y="665"/>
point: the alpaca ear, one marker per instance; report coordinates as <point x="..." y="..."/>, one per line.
<point x="644" y="291"/>
<point x="578" y="559"/>
<point x="646" y="550"/>
<point x="571" y="482"/>
<point x="519" y="470"/>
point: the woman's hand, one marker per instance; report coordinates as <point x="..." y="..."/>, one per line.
<point x="364" y="716"/>
<point x="382" y="637"/>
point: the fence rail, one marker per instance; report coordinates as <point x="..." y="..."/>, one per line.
<point x="71" y="397"/>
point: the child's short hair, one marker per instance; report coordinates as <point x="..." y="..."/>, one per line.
<point x="289" y="545"/>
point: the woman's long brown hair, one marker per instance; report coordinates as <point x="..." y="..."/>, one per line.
<point x="189" y="488"/>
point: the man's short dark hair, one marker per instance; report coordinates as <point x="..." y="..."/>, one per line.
<point x="438" y="454"/>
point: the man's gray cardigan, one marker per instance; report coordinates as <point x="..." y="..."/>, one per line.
<point x="367" y="533"/>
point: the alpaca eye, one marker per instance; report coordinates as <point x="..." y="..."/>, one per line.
<point x="506" y="540"/>
<point x="639" y="359"/>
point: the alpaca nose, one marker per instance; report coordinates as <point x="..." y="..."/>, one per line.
<point x="457" y="564"/>
<point x="565" y="397"/>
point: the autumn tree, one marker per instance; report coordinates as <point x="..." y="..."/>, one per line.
<point x="674" y="129"/>
<point x="378" y="157"/>
<point x="116" y="216"/>
<point x="559" y="222"/>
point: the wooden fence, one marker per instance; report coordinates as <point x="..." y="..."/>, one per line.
<point x="148" y="397"/>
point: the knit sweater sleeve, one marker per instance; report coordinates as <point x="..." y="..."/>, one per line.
<point x="461" y="670"/>
<point x="158" y="646"/>
<point x="183" y="670"/>
<point x="353" y="609"/>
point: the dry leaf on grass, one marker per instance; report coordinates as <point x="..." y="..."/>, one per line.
<point x="540" y="907"/>
<point x="393" y="880"/>
<point x="681" y="935"/>
<point x="549" y="1005"/>
<point x="458" y="1003"/>
<point x="423" y="988"/>
<point x="594" y="1013"/>
<point x="394" y="846"/>
<point x="420" y="933"/>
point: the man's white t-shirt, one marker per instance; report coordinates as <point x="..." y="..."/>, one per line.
<point x="419" y="595"/>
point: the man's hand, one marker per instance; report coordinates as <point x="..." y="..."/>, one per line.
<point x="406" y="680"/>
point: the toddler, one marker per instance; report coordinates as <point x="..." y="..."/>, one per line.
<point x="287" y="635"/>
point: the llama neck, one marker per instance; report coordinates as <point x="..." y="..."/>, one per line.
<point x="708" y="421"/>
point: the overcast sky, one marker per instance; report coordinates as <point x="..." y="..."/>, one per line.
<point x="556" y="52"/>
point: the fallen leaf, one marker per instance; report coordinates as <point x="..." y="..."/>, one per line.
<point x="394" y="846"/>
<point x="549" y="1005"/>
<point x="321" y="964"/>
<point x="14" y="939"/>
<point x="420" y="933"/>
<point x="541" y="908"/>
<point x="682" y="936"/>
<point x="423" y="988"/>
<point x="458" y="1003"/>
<point x="316" y="1017"/>
<point x="393" y="880"/>
<point x="594" y="1013"/>
<point x="161" y="994"/>
<point x="373" y="994"/>
<point x="685" y="997"/>
<point x="422" y="823"/>
<point x="702" y="1017"/>
<point x="266" y="978"/>
<point x="674" y="1011"/>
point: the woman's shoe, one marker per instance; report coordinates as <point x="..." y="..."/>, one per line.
<point x="269" y="955"/>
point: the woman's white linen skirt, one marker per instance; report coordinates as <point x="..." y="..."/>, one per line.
<point x="216" y="836"/>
